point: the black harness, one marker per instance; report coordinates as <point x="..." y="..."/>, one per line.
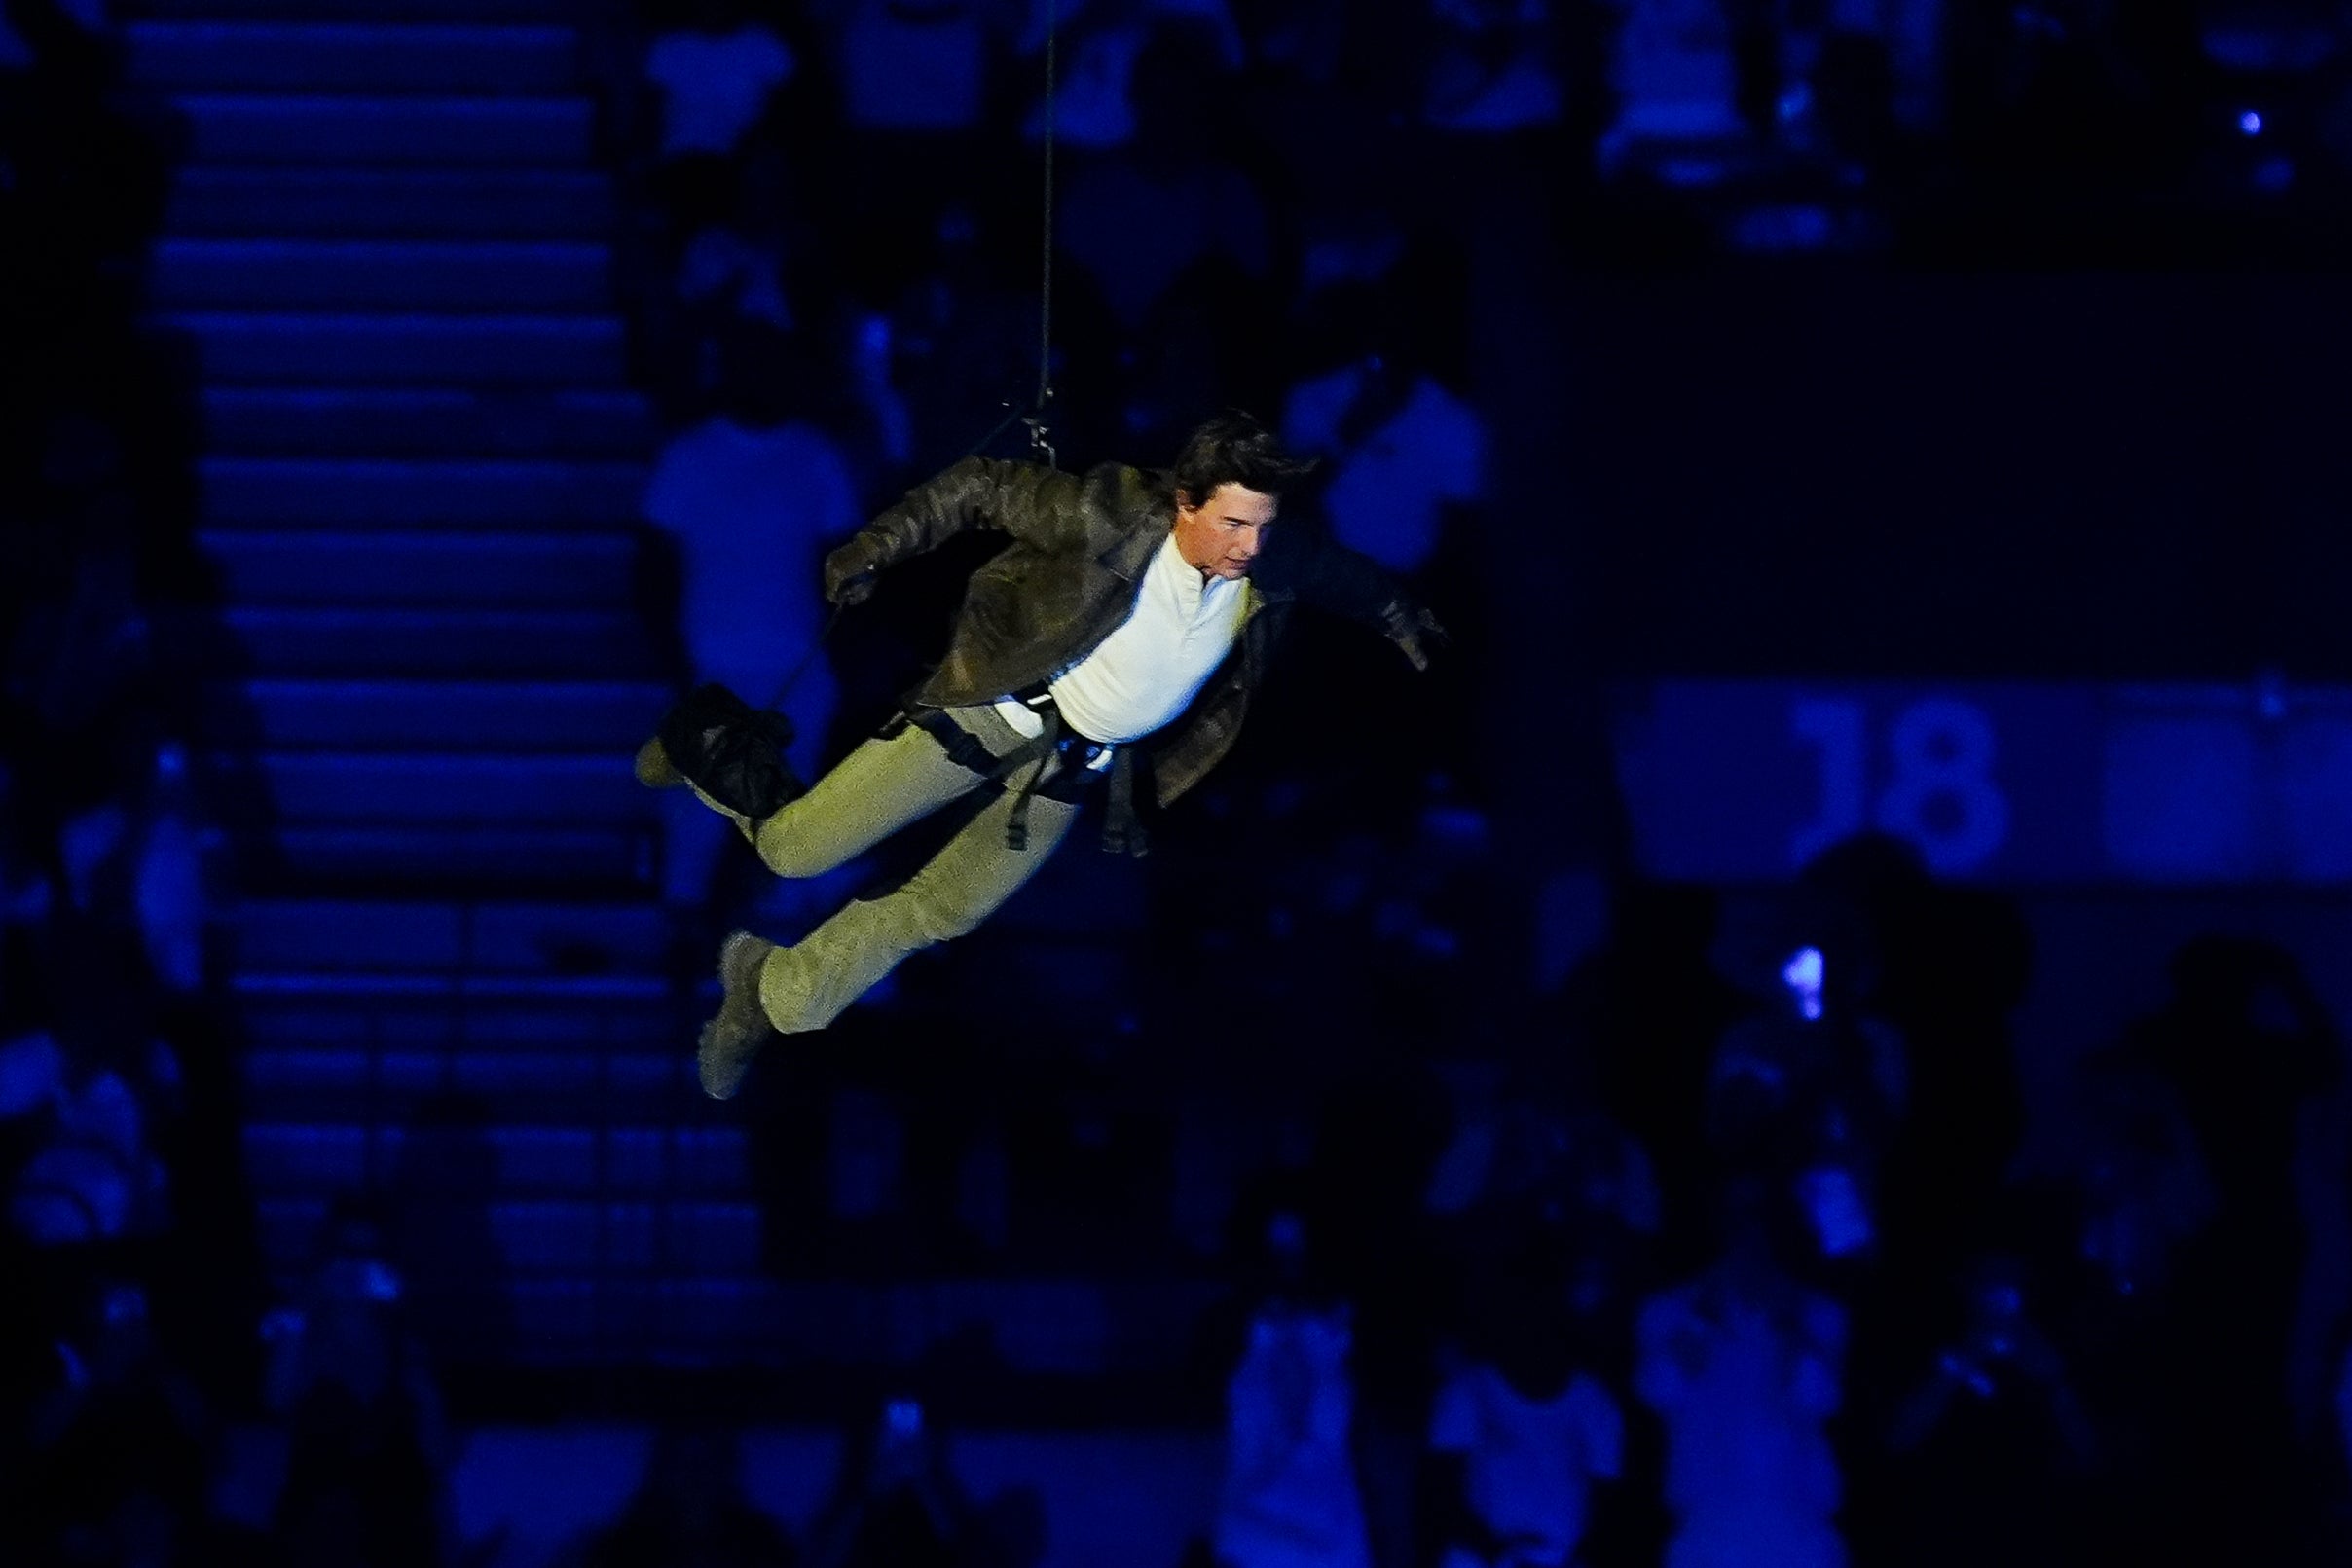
<point x="1123" y="833"/>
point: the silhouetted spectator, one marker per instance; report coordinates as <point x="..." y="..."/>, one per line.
<point x="1173" y="165"/>
<point x="79" y="659"/>
<point x="732" y="275"/>
<point x="715" y="77"/>
<point x="964" y="335"/>
<point x="2141" y="1184"/>
<point x="1990" y="1443"/>
<point x="1943" y="967"/>
<point x="92" y="1177"/>
<point x="1522" y="1429"/>
<point x="911" y="67"/>
<point x="15" y="55"/>
<point x="1653" y="1008"/>
<point x="367" y="1434"/>
<point x="1493" y="68"/>
<point x="1402" y="451"/>
<point x="139" y="861"/>
<point x="898" y="1503"/>
<point x="869" y="358"/>
<point x="1806" y="1095"/>
<point x="2135" y="1198"/>
<point x="2248" y="1043"/>
<point x="690" y="1512"/>
<point x="87" y="175"/>
<point x="1514" y="1151"/>
<point x="27" y="855"/>
<point x="116" y="1468"/>
<point x="1745" y="1364"/>
<point x="96" y="1081"/>
<point x="1676" y="82"/>
<point x="1290" y="1498"/>
<point x="751" y="495"/>
<point x="434" y="1234"/>
<point x="1100" y="46"/>
<point x="2248" y="1046"/>
<point x="359" y="1491"/>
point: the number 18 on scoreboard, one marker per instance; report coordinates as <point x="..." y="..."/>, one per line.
<point x="2006" y="782"/>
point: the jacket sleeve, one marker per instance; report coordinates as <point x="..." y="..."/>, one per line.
<point x="1331" y="576"/>
<point x="1034" y="504"/>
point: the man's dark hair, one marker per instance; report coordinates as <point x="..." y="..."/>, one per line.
<point x="1234" y="448"/>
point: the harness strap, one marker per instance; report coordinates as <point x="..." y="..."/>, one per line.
<point x="1122" y="832"/>
<point x="963" y="748"/>
<point x="1016" y="827"/>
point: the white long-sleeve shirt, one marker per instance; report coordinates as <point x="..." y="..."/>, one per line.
<point x="1143" y="674"/>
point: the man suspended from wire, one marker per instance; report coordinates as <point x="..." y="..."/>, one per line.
<point x="1121" y="630"/>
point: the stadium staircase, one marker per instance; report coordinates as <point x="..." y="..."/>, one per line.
<point x="391" y="246"/>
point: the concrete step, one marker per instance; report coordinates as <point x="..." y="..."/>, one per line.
<point x="295" y="1156"/>
<point x="430" y="1012"/>
<point x="381" y="275"/>
<point x="361" y="11"/>
<point x="477" y="996"/>
<point x="577" y="352"/>
<point x="406" y="790"/>
<point x="610" y="717"/>
<point x="536" y="861"/>
<point x="386" y="936"/>
<point x="409" y="643"/>
<point x="1046" y="1324"/>
<point x="575" y="1236"/>
<point x="522" y="1047"/>
<point x="427" y="422"/>
<point x="373" y="493"/>
<point x="680" y="1323"/>
<point x="268" y="993"/>
<point x="578" y="1237"/>
<point x="483" y="570"/>
<point x="309" y="57"/>
<point x="346" y="203"/>
<point x="553" y="1320"/>
<point x="289" y="1232"/>
<point x="651" y="1079"/>
<point x="477" y="132"/>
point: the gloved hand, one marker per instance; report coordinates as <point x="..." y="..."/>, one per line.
<point x="1414" y="631"/>
<point x="849" y="579"/>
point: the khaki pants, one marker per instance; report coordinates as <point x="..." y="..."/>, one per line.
<point x="878" y="788"/>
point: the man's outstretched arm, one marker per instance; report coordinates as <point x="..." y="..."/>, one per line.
<point x="1331" y="576"/>
<point x="1038" y="505"/>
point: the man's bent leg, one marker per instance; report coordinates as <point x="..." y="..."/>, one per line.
<point x="807" y="986"/>
<point x="878" y="788"/>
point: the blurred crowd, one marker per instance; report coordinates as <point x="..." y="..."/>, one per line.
<point x="1742" y="1256"/>
<point x="127" y="1239"/>
<point x="1750" y="1252"/>
<point x="1745" y="1252"/>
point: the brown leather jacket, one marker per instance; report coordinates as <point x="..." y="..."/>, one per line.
<point x="1079" y="545"/>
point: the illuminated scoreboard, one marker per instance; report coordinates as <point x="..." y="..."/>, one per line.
<point x="1742" y="780"/>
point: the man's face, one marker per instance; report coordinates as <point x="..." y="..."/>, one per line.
<point x="1223" y="534"/>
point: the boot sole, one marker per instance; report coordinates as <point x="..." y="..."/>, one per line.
<point x="729" y="1041"/>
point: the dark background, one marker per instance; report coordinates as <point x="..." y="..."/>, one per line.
<point x="402" y="400"/>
